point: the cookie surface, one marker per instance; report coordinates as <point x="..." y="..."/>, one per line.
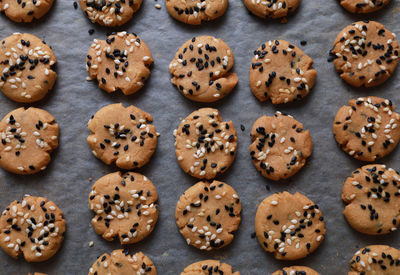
<point x="25" y="11"/>
<point x="201" y="69"/>
<point x="204" y="144"/>
<point x="367" y="129"/>
<point x="26" y="67"/>
<point x="33" y="228"/>
<point x="208" y="214"/>
<point x="365" y="54"/>
<point x="363" y="6"/>
<point x="280" y="146"/>
<point x="125" y="207"/>
<point x="271" y="8"/>
<point x="289" y="225"/>
<point x="122" y="135"/>
<point x="296" y="270"/>
<point x="28" y="136"/>
<point x="209" y="267"/>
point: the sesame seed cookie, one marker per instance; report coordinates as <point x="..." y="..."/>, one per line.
<point x="25" y="11"/>
<point x="365" y="54"/>
<point x="208" y="214"/>
<point x="122" y="135"/>
<point x="201" y="69"/>
<point x="28" y="136"/>
<point x="209" y="267"/>
<point x="37" y="273"/>
<point x="125" y="206"/>
<point x="119" y="63"/>
<point x="363" y="6"/>
<point x="26" y="68"/>
<point x="205" y="146"/>
<point x="367" y="129"/>
<point x="33" y="228"/>
<point x="120" y="262"/>
<point x="296" y="270"/>
<point x="281" y="72"/>
<point x="280" y="146"/>
<point x="290" y="226"/>
<point x="272" y="8"/>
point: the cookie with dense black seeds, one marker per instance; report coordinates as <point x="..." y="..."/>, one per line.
<point x="209" y="267"/>
<point x="363" y="6"/>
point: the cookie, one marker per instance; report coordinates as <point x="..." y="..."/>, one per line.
<point x="195" y="12"/>
<point x="125" y="207"/>
<point x="33" y="228"/>
<point x="110" y="13"/>
<point x="376" y="259"/>
<point x="26" y="67"/>
<point x="281" y="72"/>
<point x="208" y="214"/>
<point x="272" y="8"/>
<point x="363" y="6"/>
<point x="280" y="146"/>
<point x="201" y="69"/>
<point x="37" y="273"/>
<point x="122" y="135"/>
<point x="120" y="262"/>
<point x="205" y="146"/>
<point x="365" y="54"/>
<point x="296" y="270"/>
<point x="209" y="267"/>
<point x="290" y="226"/>
<point x="119" y="63"/>
<point x="25" y="11"/>
<point x="367" y="129"/>
<point x="28" y="136"/>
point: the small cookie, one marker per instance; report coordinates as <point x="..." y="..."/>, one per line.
<point x="290" y="226"/>
<point x="363" y="6"/>
<point x="26" y="67"/>
<point x="367" y="129"/>
<point x="28" y="136"/>
<point x="204" y="144"/>
<point x="376" y="259"/>
<point x="280" y="146"/>
<point x="195" y="12"/>
<point x="201" y="69"/>
<point x="123" y="136"/>
<point x="125" y="206"/>
<point x="25" y="11"/>
<point x="120" y="63"/>
<point x="209" y="267"/>
<point x="281" y="72"/>
<point x="208" y="214"/>
<point x="272" y="8"/>
<point x="110" y="13"/>
<point x="296" y="270"/>
<point x="33" y="228"/>
<point x="365" y="54"/>
<point x="120" y="262"/>
<point x="37" y="273"/>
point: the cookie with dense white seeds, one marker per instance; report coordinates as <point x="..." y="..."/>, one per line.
<point x="296" y="270"/>
<point x="209" y="267"/>
<point x="33" y="228"/>
<point x="26" y="67"/>
<point x="125" y="207"/>
<point x="272" y="8"/>
<point x="119" y="63"/>
<point x="25" y="11"/>
<point x="363" y="6"/>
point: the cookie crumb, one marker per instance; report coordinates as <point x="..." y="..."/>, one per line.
<point x="90" y="179"/>
<point x="91" y="244"/>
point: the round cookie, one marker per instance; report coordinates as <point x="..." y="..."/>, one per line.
<point x="25" y="11"/>
<point x="123" y="136"/>
<point x="205" y="146"/>
<point x="37" y="273"/>
<point x="120" y="262"/>
<point x="28" y="136"/>
<point x="280" y="146"/>
<point x="272" y="8"/>
<point x="365" y="54"/>
<point x="363" y="6"/>
<point x="26" y="67"/>
<point x="367" y="129"/>
<point x="201" y="69"/>
<point x="125" y="206"/>
<point x="209" y="267"/>
<point x="281" y="72"/>
<point x="195" y="12"/>
<point x="296" y="270"/>
<point x="376" y="259"/>
<point x="290" y="226"/>
<point x="33" y="228"/>
<point x="208" y="214"/>
<point x="110" y="13"/>
<point x="120" y="63"/>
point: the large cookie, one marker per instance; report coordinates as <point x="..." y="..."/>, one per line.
<point x="209" y="267"/>
<point x="25" y="11"/>
<point x="296" y="270"/>
<point x="201" y="69"/>
<point x="363" y="6"/>
<point x="272" y="8"/>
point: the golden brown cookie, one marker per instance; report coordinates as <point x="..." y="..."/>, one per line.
<point x="363" y="6"/>
<point x="209" y="267"/>
<point x="208" y="214"/>
<point x="271" y="8"/>
<point x="33" y="228"/>
<point x="125" y="207"/>
<point x="25" y="11"/>
<point x="280" y="146"/>
<point x="37" y="273"/>
<point x="365" y="54"/>
<point x="290" y="226"/>
<point x="367" y="129"/>
<point x="26" y="67"/>
<point x="205" y="145"/>
<point x="122" y="135"/>
<point x="201" y="69"/>
<point x="296" y="270"/>
<point x="119" y="63"/>
<point x="28" y="136"/>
